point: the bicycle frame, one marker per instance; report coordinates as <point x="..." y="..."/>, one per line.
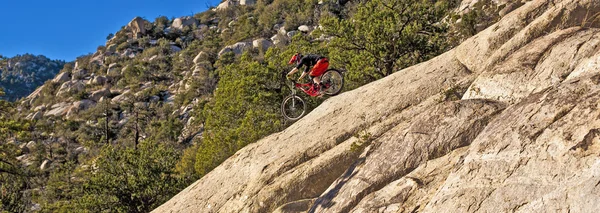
<point x="307" y="88"/>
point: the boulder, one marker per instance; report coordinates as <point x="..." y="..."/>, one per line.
<point x="276" y="27"/>
<point x="98" y="94"/>
<point x="226" y="4"/>
<point x="83" y="105"/>
<point x="38" y="115"/>
<point x="201" y="57"/>
<point x="98" y="80"/>
<point x="130" y="53"/>
<point x="291" y="34"/>
<point x="24" y="148"/>
<point x="121" y="98"/>
<point x="138" y="26"/>
<point x="62" y="77"/>
<point x="45" y="165"/>
<point x="39" y="108"/>
<point x="182" y="22"/>
<point x="79" y="74"/>
<point x="59" y="109"/>
<point x="111" y="48"/>
<point x="26" y="159"/>
<point x="80" y="150"/>
<point x="175" y="49"/>
<point x="247" y="2"/>
<point x="31" y="145"/>
<point x="262" y="44"/>
<point x="113" y="69"/>
<point x="237" y="48"/>
<point x="279" y="39"/>
<point x="31" y="98"/>
<point x="304" y="29"/>
<point x="71" y="87"/>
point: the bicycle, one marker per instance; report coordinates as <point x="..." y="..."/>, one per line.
<point x="293" y="106"/>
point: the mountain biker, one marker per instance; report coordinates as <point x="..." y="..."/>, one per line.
<point x="319" y="66"/>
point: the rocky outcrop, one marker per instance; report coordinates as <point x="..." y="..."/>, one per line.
<point x="71" y="87"/>
<point x="138" y="27"/>
<point x="62" y="77"/>
<point x="182" y="22"/>
<point x="78" y="74"/>
<point x="523" y="138"/>
<point x="226" y="4"/>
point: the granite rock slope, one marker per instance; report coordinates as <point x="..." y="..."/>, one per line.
<point x="507" y="121"/>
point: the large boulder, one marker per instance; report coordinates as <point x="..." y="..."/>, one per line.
<point x="122" y="97"/>
<point x="98" y="94"/>
<point x="262" y="44"/>
<point x="98" y="80"/>
<point x="59" y="109"/>
<point x="71" y="87"/>
<point x="237" y="48"/>
<point x="62" y="77"/>
<point x="79" y="74"/>
<point x="138" y="26"/>
<point x="226" y="4"/>
<point x="182" y="22"/>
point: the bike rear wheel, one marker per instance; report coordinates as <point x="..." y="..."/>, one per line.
<point x="334" y="80"/>
<point x="293" y="107"/>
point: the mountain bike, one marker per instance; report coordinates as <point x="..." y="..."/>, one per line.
<point x="293" y="106"/>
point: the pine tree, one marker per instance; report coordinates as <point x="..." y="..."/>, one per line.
<point x="386" y="35"/>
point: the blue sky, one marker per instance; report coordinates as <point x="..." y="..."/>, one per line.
<point x="66" y="29"/>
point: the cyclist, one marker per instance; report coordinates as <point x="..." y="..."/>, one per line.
<point x="319" y="66"/>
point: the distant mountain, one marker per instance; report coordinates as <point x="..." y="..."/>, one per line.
<point x="20" y="75"/>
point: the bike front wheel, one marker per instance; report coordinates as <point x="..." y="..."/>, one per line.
<point x="293" y="107"/>
<point x="334" y="82"/>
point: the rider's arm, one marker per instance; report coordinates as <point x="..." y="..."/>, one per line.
<point x="302" y="76"/>
<point x="292" y="72"/>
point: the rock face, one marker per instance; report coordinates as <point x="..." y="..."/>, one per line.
<point x="524" y="136"/>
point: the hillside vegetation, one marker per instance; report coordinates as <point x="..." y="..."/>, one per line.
<point x="20" y="75"/>
<point x="166" y="101"/>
